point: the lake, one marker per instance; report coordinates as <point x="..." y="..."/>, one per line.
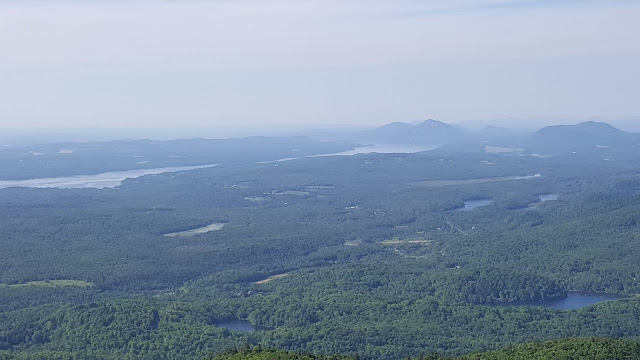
<point x="381" y="149"/>
<point x="541" y="199"/>
<point x="372" y="149"/>
<point x="574" y="300"/>
<point x="472" y="204"/>
<point x="97" y="181"/>
<point x="115" y="178"/>
<point x="240" y="325"/>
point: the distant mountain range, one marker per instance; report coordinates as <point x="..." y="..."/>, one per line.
<point x="428" y="132"/>
<point x="585" y="136"/>
<point x="588" y="133"/>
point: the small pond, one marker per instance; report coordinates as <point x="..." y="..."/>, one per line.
<point x="240" y="325"/>
<point x="472" y="204"/>
<point x="574" y="300"/>
<point x="541" y="199"/>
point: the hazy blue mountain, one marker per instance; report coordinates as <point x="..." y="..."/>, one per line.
<point x="428" y="132"/>
<point x="585" y="131"/>
<point x="585" y="136"/>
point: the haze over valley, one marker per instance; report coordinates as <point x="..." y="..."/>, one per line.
<point x="319" y="180"/>
<point x="328" y="244"/>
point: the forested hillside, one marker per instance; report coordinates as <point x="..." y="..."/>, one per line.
<point x="263" y="180"/>
<point x="381" y="256"/>
<point x="582" y="349"/>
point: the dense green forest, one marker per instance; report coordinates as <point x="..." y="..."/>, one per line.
<point x="258" y="353"/>
<point x="582" y="349"/>
<point x="363" y="255"/>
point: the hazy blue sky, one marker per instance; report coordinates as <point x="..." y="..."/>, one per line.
<point x="308" y="62"/>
